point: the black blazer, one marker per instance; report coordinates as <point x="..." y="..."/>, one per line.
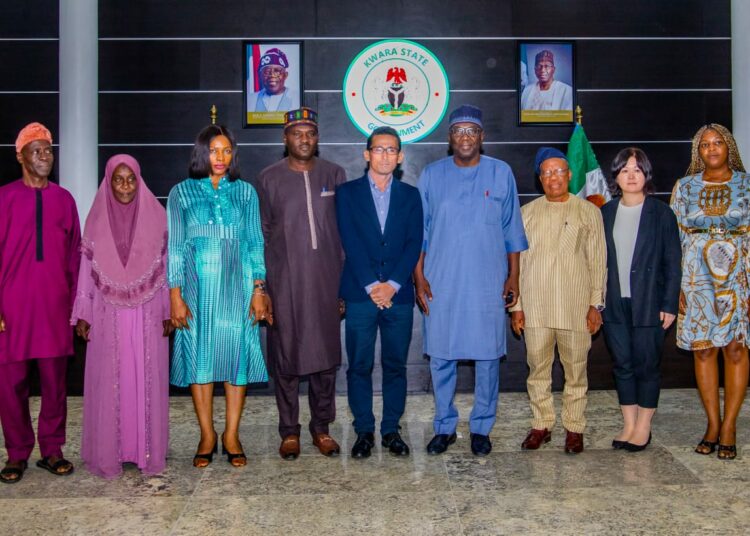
<point x="655" y="272"/>
<point x="372" y="255"/>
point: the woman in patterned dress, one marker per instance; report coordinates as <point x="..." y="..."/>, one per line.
<point x="712" y="205"/>
<point x="217" y="290"/>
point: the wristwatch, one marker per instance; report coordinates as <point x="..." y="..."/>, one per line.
<point x="599" y="308"/>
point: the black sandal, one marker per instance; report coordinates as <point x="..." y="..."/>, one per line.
<point x="54" y="468"/>
<point x="208" y="457"/>
<point x="231" y="457"/>
<point x="15" y="472"/>
<point x="705" y="444"/>
<point x="727" y="452"/>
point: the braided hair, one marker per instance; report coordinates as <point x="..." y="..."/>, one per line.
<point x="696" y="163"/>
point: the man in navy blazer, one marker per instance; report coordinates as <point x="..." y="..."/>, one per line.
<point x="380" y="224"/>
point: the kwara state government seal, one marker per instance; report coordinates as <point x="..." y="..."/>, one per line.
<point x="396" y="83"/>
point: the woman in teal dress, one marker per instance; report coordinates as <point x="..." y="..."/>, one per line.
<point x="712" y="204"/>
<point x="217" y="291"/>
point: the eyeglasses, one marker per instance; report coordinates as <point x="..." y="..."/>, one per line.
<point x="390" y="151"/>
<point x="268" y="72"/>
<point x="472" y="132"/>
<point x="560" y="172"/>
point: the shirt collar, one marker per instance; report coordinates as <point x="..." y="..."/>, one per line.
<point x="374" y="186"/>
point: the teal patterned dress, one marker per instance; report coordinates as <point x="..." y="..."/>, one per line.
<point x="714" y="220"/>
<point x="215" y="254"/>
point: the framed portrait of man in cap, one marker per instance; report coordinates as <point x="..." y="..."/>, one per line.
<point x="546" y="82"/>
<point x="272" y="81"/>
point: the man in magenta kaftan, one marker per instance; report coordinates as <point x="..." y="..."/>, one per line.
<point x="39" y="240"/>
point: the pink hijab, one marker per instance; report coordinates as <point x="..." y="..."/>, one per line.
<point x="126" y="243"/>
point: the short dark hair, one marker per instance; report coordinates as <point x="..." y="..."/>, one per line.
<point x="200" y="163"/>
<point x="621" y="160"/>
<point x="383" y="131"/>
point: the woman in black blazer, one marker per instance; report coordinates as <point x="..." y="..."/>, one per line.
<point x="643" y="286"/>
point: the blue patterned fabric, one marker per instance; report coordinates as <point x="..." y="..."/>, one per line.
<point x="215" y="254"/>
<point x="714" y="219"/>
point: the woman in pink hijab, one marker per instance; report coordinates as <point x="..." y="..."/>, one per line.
<point x="122" y="310"/>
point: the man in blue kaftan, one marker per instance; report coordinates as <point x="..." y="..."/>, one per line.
<point x="467" y="274"/>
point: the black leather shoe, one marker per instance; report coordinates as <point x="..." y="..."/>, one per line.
<point x="631" y="447"/>
<point x="440" y="443"/>
<point x="395" y="444"/>
<point x="363" y="445"/>
<point x="617" y="444"/>
<point x="480" y="445"/>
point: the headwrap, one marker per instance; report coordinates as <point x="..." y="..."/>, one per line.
<point x="273" y="56"/>
<point x="301" y="116"/>
<point x="545" y="153"/>
<point x="136" y="232"/>
<point x="465" y="114"/>
<point x="544" y="55"/>
<point x="32" y="132"/>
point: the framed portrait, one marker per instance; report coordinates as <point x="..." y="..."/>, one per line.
<point x="272" y="81"/>
<point x="546" y="82"/>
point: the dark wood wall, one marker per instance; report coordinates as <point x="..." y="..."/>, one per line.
<point x="648" y="74"/>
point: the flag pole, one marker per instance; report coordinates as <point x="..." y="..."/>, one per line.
<point x="579" y="115"/>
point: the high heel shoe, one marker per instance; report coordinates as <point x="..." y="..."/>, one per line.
<point x="209" y="457"/>
<point x="631" y="447"/>
<point x="727" y="452"/>
<point x="706" y="447"/>
<point x="231" y="457"/>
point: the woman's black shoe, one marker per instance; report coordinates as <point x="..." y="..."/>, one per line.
<point x="208" y="457"/>
<point x="727" y="452"/>
<point x="231" y="457"/>
<point x="706" y="447"/>
<point x="617" y="444"/>
<point x="630" y="447"/>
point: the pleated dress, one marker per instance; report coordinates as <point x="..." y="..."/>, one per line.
<point x="215" y="253"/>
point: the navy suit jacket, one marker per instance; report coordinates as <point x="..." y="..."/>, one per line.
<point x="655" y="272"/>
<point x="372" y="255"/>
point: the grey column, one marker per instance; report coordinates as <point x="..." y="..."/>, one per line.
<point x="741" y="77"/>
<point x="78" y="161"/>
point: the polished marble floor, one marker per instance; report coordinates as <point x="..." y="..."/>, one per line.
<point x="667" y="489"/>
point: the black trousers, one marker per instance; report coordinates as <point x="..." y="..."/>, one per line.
<point x="321" y="392"/>
<point x="636" y="355"/>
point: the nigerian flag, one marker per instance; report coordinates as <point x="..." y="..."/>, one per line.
<point x="587" y="182"/>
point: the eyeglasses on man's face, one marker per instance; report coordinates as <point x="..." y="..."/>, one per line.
<point x="387" y="150"/>
<point x="471" y="132"/>
<point x="560" y="172"/>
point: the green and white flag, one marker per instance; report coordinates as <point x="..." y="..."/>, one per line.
<point x="587" y="182"/>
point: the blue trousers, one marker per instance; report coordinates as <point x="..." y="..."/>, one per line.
<point x="363" y="319"/>
<point x="486" y="385"/>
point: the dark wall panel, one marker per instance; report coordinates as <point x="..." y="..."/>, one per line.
<point x="29" y="65"/>
<point x="211" y="18"/>
<point x="514" y="18"/>
<point x="29" y="19"/>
